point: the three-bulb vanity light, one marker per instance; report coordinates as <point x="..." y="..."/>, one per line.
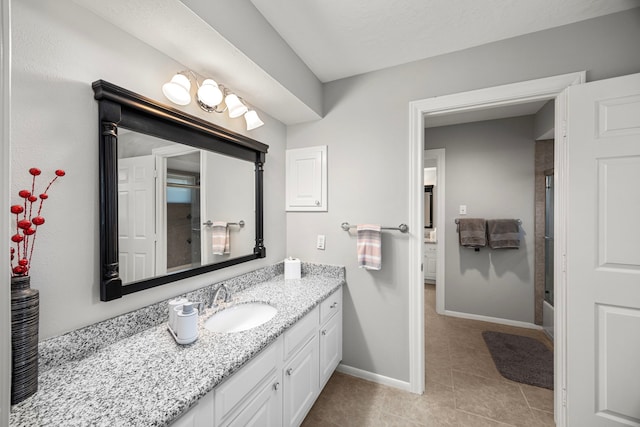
<point x="210" y="96"/>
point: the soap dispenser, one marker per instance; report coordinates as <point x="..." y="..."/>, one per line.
<point x="186" y="330"/>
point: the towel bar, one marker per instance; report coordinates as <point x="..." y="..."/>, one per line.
<point x="403" y="228"/>
<point x="239" y="223"/>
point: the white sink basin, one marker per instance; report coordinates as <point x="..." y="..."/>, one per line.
<point x="240" y="317"/>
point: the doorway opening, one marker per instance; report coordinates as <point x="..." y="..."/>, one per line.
<point x="507" y="95"/>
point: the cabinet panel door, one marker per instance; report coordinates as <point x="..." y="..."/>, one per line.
<point x="306" y="179"/>
<point x="330" y="347"/>
<point x="200" y="415"/>
<point x="301" y="383"/>
<point x="264" y="409"/>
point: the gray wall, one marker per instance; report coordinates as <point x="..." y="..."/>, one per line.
<point x="59" y="49"/>
<point x="366" y="130"/>
<point x="544" y="121"/>
<point x="490" y="169"/>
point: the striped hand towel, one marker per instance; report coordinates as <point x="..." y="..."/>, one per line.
<point x="220" y="238"/>
<point x="369" y="246"/>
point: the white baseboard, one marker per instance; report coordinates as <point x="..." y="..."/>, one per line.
<point x="376" y="378"/>
<point x="492" y="319"/>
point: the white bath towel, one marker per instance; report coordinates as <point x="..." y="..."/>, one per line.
<point x="220" y="238"/>
<point x="369" y="246"/>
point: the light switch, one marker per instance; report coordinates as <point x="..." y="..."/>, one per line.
<point x="320" y="242"/>
<point x="463" y="209"/>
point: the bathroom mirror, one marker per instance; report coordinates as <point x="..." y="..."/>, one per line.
<point x="428" y="206"/>
<point x="165" y="178"/>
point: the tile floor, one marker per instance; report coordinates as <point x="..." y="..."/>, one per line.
<point x="463" y="387"/>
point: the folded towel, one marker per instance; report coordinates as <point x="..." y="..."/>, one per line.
<point x="472" y="232"/>
<point x="503" y="233"/>
<point x="220" y="238"/>
<point x="369" y="247"/>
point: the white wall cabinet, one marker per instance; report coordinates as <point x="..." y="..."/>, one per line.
<point x="306" y="179"/>
<point x="430" y="261"/>
<point x="281" y="384"/>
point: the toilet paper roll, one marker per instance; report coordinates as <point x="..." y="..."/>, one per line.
<point x="291" y="268"/>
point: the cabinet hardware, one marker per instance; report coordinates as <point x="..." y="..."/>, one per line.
<point x="276" y="386"/>
<point x="334" y="305"/>
<point x="324" y="332"/>
<point x="289" y="371"/>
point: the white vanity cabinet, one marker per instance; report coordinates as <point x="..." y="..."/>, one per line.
<point x="430" y="261"/>
<point x="253" y="391"/>
<point x="330" y="335"/>
<point x="200" y="415"/>
<point x="279" y="386"/>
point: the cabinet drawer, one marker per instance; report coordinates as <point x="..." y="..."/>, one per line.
<point x="331" y="305"/>
<point x="232" y="393"/>
<point x="300" y="333"/>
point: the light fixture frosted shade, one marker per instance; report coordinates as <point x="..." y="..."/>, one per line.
<point x="209" y="93"/>
<point x="253" y="121"/>
<point x="177" y="90"/>
<point x="235" y="106"/>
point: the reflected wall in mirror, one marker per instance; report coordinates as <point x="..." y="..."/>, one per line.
<point x="166" y="178"/>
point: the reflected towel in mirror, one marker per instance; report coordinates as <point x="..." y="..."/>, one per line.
<point x="220" y="238"/>
<point x="369" y="246"/>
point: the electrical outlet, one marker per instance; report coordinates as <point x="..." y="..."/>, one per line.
<point x="320" y="242"/>
<point x="463" y="209"/>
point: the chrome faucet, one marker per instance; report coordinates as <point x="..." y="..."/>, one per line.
<point x="216" y="296"/>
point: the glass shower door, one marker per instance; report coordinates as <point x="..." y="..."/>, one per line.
<point x="548" y="241"/>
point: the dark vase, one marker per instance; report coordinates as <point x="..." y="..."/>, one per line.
<point x="25" y="306"/>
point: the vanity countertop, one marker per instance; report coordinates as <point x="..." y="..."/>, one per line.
<point x="149" y="380"/>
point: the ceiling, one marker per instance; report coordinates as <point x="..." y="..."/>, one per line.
<point x="338" y="38"/>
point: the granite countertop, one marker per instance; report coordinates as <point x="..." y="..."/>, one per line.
<point x="149" y="380"/>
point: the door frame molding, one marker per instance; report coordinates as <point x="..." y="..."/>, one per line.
<point x="510" y="94"/>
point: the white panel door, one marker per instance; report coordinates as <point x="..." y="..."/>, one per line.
<point x="603" y="253"/>
<point x="136" y="217"/>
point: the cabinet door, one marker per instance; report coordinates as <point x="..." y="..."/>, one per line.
<point x="200" y="415"/>
<point x="265" y="408"/>
<point x="330" y="347"/>
<point x="306" y="179"/>
<point x="301" y="383"/>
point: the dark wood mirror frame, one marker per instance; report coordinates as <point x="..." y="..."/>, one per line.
<point x="119" y="107"/>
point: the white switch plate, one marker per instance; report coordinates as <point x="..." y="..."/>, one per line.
<point x="320" y="243"/>
<point x="463" y="209"/>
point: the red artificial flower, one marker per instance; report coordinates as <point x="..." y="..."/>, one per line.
<point x="24" y="224"/>
<point x="28" y="219"/>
